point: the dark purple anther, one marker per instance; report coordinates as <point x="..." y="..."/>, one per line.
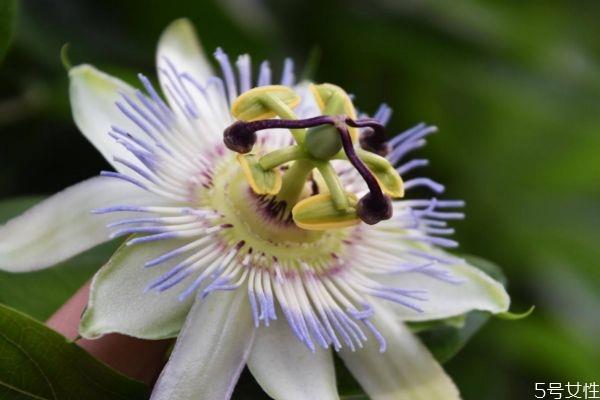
<point x="373" y="136"/>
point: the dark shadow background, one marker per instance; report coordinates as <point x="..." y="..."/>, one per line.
<point x="514" y="87"/>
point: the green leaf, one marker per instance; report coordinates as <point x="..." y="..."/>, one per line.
<point x="8" y="11"/>
<point x="41" y="293"/>
<point x="38" y="363"/>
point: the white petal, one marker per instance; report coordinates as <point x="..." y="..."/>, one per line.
<point x="63" y="225"/>
<point x="118" y="303"/>
<point x="93" y="96"/>
<point x="287" y="370"/>
<point x="180" y="45"/>
<point x="476" y="291"/>
<point x="405" y="371"/>
<point x="211" y="350"/>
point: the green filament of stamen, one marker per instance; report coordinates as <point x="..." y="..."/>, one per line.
<point x="334" y="185"/>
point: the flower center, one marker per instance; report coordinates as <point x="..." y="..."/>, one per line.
<point x="263" y="224"/>
<point x="319" y="140"/>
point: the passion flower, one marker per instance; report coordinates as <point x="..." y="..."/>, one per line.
<point x="264" y="224"/>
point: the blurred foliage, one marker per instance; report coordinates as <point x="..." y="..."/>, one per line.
<point x="514" y="87"/>
<point x="8" y="12"/>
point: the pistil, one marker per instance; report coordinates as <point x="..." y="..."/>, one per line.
<point x="372" y="208"/>
<point x="318" y="141"/>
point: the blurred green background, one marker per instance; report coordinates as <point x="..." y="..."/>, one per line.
<point x="513" y="86"/>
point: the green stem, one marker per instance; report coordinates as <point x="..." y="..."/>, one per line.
<point x="281" y="156"/>
<point x="334" y="185"/>
<point x="294" y="181"/>
<point x="284" y="112"/>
